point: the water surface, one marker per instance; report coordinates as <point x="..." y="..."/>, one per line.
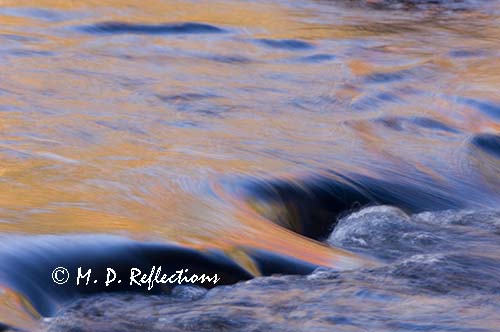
<point x="235" y="125"/>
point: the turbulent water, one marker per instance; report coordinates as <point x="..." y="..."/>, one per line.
<point x="434" y="278"/>
<point x="263" y="140"/>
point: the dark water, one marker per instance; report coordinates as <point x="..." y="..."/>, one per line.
<point x="356" y="139"/>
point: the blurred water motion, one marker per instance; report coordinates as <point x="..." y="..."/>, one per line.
<point x="148" y="120"/>
<point x="436" y="279"/>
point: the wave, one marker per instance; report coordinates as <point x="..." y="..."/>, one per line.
<point x="150" y="29"/>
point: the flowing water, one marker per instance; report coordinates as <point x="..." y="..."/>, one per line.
<point x="235" y="135"/>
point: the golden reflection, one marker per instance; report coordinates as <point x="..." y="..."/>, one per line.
<point x="88" y="146"/>
<point x="15" y="310"/>
<point x="130" y="134"/>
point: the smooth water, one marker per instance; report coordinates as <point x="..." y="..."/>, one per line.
<point x="235" y="126"/>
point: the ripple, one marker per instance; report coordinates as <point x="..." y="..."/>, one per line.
<point x="150" y="29"/>
<point x="286" y="44"/>
<point x="317" y="58"/>
<point x="398" y="123"/>
<point x="185" y="97"/>
<point x="486" y="107"/>
<point x="388" y="77"/>
<point x="488" y="143"/>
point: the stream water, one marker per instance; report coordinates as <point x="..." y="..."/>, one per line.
<point x="356" y="139"/>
